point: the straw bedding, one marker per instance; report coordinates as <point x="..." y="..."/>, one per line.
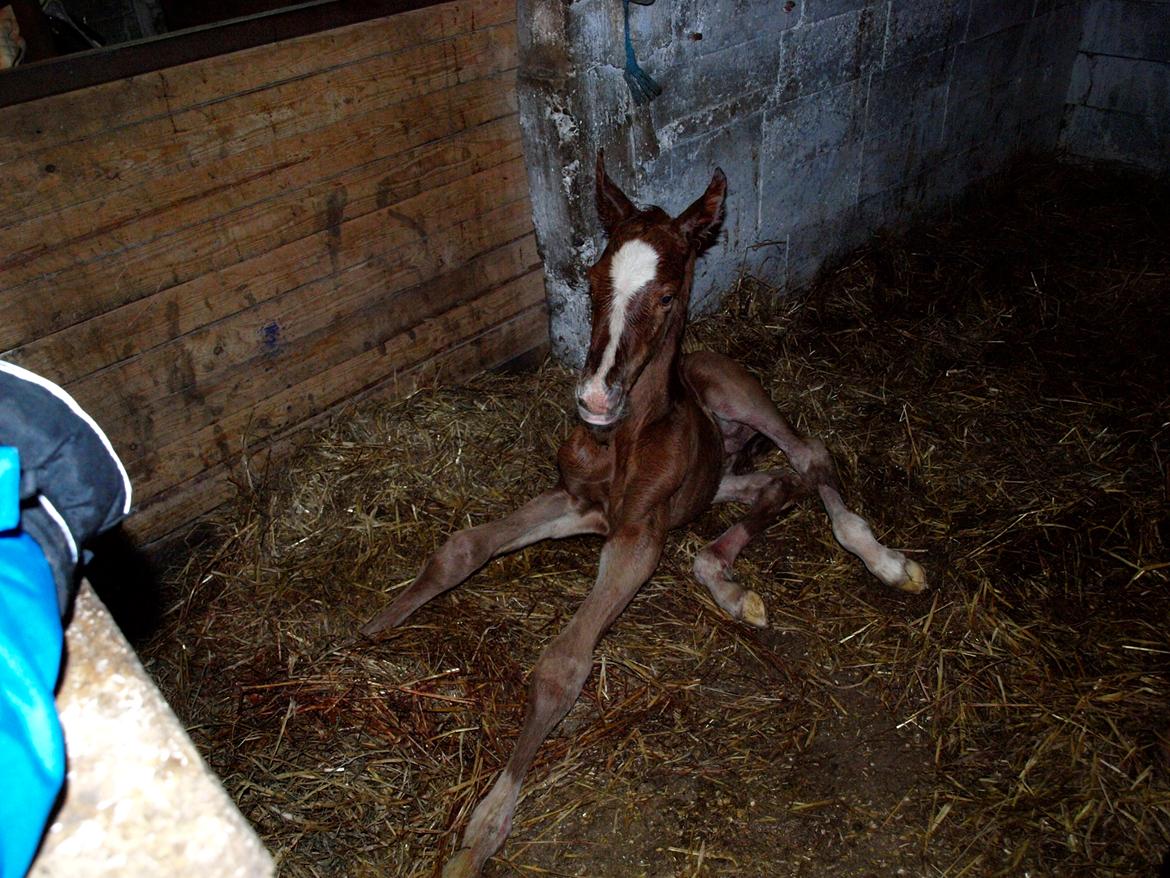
<point x="994" y="388"/>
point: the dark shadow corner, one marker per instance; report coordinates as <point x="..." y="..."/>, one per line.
<point x="128" y="582"/>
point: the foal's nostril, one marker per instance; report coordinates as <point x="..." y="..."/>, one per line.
<point x="592" y="403"/>
<point x="598" y="400"/>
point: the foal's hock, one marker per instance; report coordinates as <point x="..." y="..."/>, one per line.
<point x="662" y="437"/>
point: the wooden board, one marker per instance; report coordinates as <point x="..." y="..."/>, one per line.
<point x="167" y="512"/>
<point x="413" y="184"/>
<point x="184" y="378"/>
<point x="41" y="247"/>
<point x="84" y="174"/>
<point x="241" y="394"/>
<point x="52" y="289"/>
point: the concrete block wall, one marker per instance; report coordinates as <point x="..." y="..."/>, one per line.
<point x="831" y="118"/>
<point x="1119" y="94"/>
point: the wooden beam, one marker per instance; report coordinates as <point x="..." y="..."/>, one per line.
<point x="88" y="70"/>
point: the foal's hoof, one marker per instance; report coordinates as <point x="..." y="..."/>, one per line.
<point x="752" y="611"/>
<point x="373" y="628"/>
<point x="915" y="580"/>
<point x="462" y="865"/>
<point x="384" y="621"/>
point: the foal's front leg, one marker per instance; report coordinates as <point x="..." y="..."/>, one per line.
<point x="553" y="514"/>
<point x="627" y="560"/>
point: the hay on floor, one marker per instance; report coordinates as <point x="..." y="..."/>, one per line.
<point x="994" y="387"/>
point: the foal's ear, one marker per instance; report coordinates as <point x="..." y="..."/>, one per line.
<point x="612" y="204"/>
<point x="701" y="221"/>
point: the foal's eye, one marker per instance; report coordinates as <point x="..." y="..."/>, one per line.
<point x="666" y="300"/>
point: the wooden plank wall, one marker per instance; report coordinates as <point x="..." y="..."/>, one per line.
<point x="214" y="257"/>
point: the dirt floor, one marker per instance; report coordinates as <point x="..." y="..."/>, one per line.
<point x="995" y="388"/>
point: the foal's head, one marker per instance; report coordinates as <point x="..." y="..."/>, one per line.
<point x="640" y="288"/>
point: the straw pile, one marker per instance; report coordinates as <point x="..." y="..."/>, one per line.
<point x="994" y="387"/>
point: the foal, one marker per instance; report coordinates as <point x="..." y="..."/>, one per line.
<point x="663" y="436"/>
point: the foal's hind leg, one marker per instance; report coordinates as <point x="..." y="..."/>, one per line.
<point x="768" y="494"/>
<point x="552" y="514"/>
<point x="734" y="395"/>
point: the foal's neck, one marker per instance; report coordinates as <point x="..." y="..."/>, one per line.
<point x="660" y="387"/>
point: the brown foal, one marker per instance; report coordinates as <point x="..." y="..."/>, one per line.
<point x="663" y="436"/>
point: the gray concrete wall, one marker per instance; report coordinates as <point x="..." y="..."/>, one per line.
<point x="831" y="118"/>
<point x="1119" y="94"/>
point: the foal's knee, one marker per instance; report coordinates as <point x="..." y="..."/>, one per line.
<point x="460" y="553"/>
<point x="556" y="682"/>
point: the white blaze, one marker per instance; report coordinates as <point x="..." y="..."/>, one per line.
<point x="633" y="266"/>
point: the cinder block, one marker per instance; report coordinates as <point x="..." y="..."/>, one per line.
<point x="1139" y="141"/>
<point x="923" y="27"/>
<point x="833" y="118"/>
<point x="707" y="119"/>
<point x="1128" y="28"/>
<point x="1041" y="134"/>
<point x="767" y="259"/>
<point x="980" y="121"/>
<point x="895" y="207"/>
<point x="715" y="78"/>
<point x="947" y="179"/>
<point x="1081" y="79"/>
<point x="593" y="30"/>
<point x="884" y="209"/>
<point x="1127" y="85"/>
<point x="826" y="53"/>
<point x="904" y="124"/>
<point x="817" y="10"/>
<point x="992" y="16"/>
<point x="819" y="244"/>
<point x="893" y="90"/>
<point x="1045" y="7"/>
<point x="686" y="173"/>
<point x="1053" y="39"/>
<point x="732" y="22"/>
<point x="1040" y="93"/>
<point x="651" y="27"/>
<point x="810" y="159"/>
<point x="989" y="62"/>
<point x="959" y="171"/>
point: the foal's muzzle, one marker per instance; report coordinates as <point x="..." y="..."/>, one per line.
<point x="600" y="407"/>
